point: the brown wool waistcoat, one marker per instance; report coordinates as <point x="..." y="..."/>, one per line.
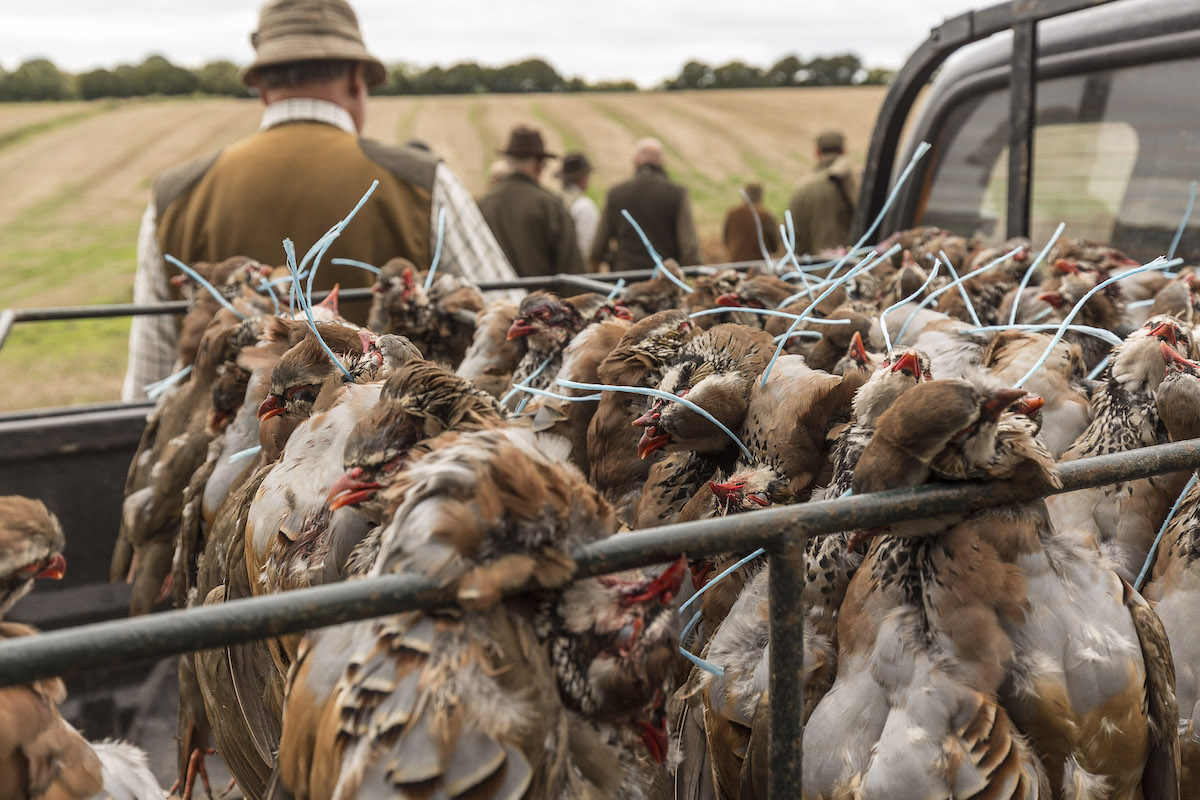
<point x="296" y="181"/>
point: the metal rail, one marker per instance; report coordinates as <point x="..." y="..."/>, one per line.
<point x="782" y="531"/>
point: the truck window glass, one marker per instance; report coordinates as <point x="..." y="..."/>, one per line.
<point x="1113" y="158"/>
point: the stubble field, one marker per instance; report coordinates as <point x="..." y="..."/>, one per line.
<point x="75" y="177"/>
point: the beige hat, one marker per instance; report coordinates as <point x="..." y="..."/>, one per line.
<point x="309" y="30"/>
<point x="831" y="140"/>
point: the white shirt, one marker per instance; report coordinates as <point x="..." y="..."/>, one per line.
<point x="586" y="216"/>
<point x="468" y="249"/>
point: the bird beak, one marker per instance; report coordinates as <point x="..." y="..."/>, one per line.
<point x="1053" y="298"/>
<point x="331" y="300"/>
<point x="348" y="490"/>
<point x="654" y="438"/>
<point x="908" y="364"/>
<point x="655" y="739"/>
<point x="730" y="299"/>
<point x="1062" y="265"/>
<point x="1165" y="331"/>
<point x="726" y="490"/>
<point x="55" y="569"/>
<point x="271" y="407"/>
<point x="665" y="586"/>
<point x="519" y="328"/>
<point x="1174" y="361"/>
<point x="649" y="418"/>
<point x="621" y="311"/>
<point x="1029" y="405"/>
<point x="1000" y="402"/>
<point x="858" y="350"/>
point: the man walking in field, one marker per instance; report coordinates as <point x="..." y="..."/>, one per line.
<point x="823" y="204"/>
<point x="745" y="223"/>
<point x="299" y="174"/>
<point x="661" y="207"/>
<point x="530" y="223"/>
<point x="575" y="173"/>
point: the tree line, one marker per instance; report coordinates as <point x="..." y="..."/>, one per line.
<point x="40" y="79"/>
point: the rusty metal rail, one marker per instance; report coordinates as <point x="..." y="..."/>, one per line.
<point x="782" y="531"/>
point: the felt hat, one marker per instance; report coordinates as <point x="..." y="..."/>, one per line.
<point x="575" y="165"/>
<point x="831" y="140"/>
<point x="309" y="30"/>
<point x="525" y="142"/>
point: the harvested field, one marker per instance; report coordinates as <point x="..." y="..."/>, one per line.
<point x="76" y="177"/>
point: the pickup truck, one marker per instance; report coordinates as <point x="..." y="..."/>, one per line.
<point x="1041" y="111"/>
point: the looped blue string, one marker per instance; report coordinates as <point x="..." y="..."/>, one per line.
<point x="534" y="374"/>
<point x="249" y="451"/>
<point x="153" y="390"/>
<point x="688" y="404"/>
<point x="1158" y="263"/>
<point x="961" y="288"/>
<point x="758" y="228"/>
<point x="350" y="262"/>
<point x="788" y="236"/>
<point x="936" y="293"/>
<point x="707" y="666"/>
<point x="616" y="290"/>
<point x="317" y="251"/>
<point x="290" y="250"/>
<point x="887" y="340"/>
<point x="1157" y="539"/>
<point x="1183" y="222"/>
<point x="1012" y="314"/>
<point x="198" y="278"/>
<point x="1099" y="333"/>
<point x="725" y="573"/>
<point x="437" y="250"/>
<point x="658" y="262"/>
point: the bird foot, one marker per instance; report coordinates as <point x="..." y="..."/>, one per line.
<point x="195" y="768"/>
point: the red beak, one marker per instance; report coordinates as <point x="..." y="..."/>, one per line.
<point x="908" y="364"/>
<point x="1000" y="402"/>
<point x="621" y="311"/>
<point x="665" y="586"/>
<point x="1166" y="332"/>
<point x="858" y="350"/>
<point x="655" y="739"/>
<point x="55" y="569"/>
<point x="519" y="328"/>
<point x="348" y="490"/>
<point x="730" y="299"/>
<point x="649" y="418"/>
<point x="1062" y="265"/>
<point x="1053" y="298"/>
<point x="726" y="490"/>
<point x="654" y="438"/>
<point x="1029" y="405"/>
<point x="271" y="407"/>
<point x="1175" y="361"/>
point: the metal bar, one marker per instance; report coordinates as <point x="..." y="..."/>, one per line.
<point x="105" y="644"/>
<point x="1022" y="118"/>
<point x="7" y="318"/>
<point x="785" y="768"/>
<point x="943" y="40"/>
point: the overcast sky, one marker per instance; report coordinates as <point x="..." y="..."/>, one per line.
<point x="645" y="40"/>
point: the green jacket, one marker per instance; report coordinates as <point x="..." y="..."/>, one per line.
<point x="823" y="205"/>
<point x="533" y="227"/>
<point x="661" y="208"/>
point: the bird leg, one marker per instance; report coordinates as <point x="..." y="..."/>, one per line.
<point x="195" y="768"/>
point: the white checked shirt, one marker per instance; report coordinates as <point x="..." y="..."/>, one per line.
<point x="468" y="249"/>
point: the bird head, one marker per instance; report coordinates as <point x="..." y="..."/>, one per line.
<point x="399" y="302"/>
<point x="1178" y="397"/>
<point x="547" y="319"/>
<point x="899" y="371"/>
<point x="671" y="424"/>
<point x="659" y="293"/>
<point x="656" y="338"/>
<point x="748" y="489"/>
<point x="227" y="393"/>
<point x="1103" y="309"/>
<point x="1139" y="361"/>
<point x="857" y="357"/>
<point x="302" y="371"/>
<point x="31" y="543"/>
<point x="382" y="355"/>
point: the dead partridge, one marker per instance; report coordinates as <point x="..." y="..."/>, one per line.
<point x="492" y="357"/>
<point x="439" y="320"/>
<point x="547" y="323"/>
<point x="1122" y="519"/>
<point x="1173" y="588"/>
<point x="456" y="702"/>
<point x="922" y="635"/>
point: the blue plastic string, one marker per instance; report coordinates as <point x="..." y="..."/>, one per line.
<point x="658" y="262"/>
<point x="1183" y="222"/>
<point x="1141" y="303"/>
<point x="249" y="451"/>
<point x="196" y="276"/>
<point x="570" y="398"/>
<point x="783" y="337"/>
<point x="437" y="250"/>
<point x="765" y="312"/>
<point x="1179" y="501"/>
<point x="521" y="406"/>
<point x="936" y="293"/>
<point x="1045" y="312"/>
<point x="1157" y="263"/>
<point x="1012" y="314"/>
<point x="271" y="294"/>
<point x="662" y="396"/>
<point x="961" y="288"/>
<point x="1099" y="368"/>
<point x="762" y="243"/>
<point x="616" y="290"/>
<point x="290" y="250"/>
<point x="350" y="262"/>
<point x="534" y="374"/>
<point x="1099" y="333"/>
<point x="887" y="340"/>
<point x="721" y="576"/>
<point x="863" y="266"/>
<point x="153" y="390"/>
<point x="788" y="235"/>
<point x="317" y="251"/>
